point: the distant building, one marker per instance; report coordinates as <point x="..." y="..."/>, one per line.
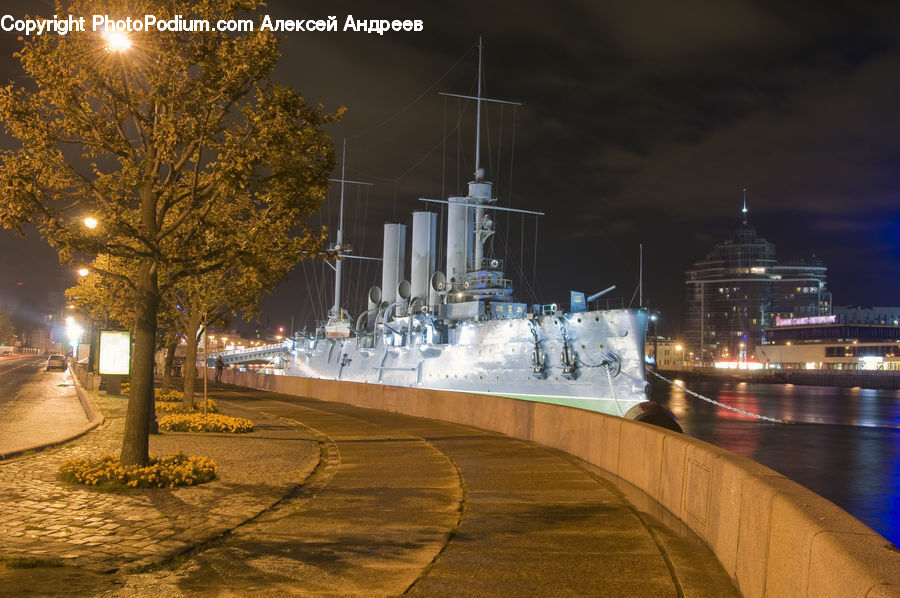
<point x="888" y="316"/>
<point x="739" y="290"/>
<point x="667" y="353"/>
<point x="825" y="344"/>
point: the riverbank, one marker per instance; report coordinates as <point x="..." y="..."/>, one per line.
<point x="840" y="378"/>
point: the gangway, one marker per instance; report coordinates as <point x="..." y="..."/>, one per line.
<point x="262" y="354"/>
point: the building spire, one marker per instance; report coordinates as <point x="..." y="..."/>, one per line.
<point x="744" y="210"/>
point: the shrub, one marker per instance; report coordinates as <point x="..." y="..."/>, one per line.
<point x="197" y="422"/>
<point x="163" y="472"/>
<point x="171" y="396"/>
<point x="172" y="407"/>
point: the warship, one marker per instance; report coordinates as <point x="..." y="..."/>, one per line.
<point x="457" y="326"/>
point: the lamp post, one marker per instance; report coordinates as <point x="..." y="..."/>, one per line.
<point x="654" y="318"/>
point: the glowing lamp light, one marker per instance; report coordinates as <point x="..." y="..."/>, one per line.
<point x="73" y="331"/>
<point x="82" y="272"/>
<point x="116" y="41"/>
<point x="91" y="222"/>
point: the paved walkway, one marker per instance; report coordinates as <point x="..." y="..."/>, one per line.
<point x="397" y="505"/>
<point x="45" y="411"/>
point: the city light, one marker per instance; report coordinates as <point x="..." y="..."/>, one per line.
<point x="82" y="272"/>
<point x="116" y="41"/>
<point x="91" y="222"/>
<point x="73" y="332"/>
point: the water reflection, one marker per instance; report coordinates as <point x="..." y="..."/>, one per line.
<point x="845" y="447"/>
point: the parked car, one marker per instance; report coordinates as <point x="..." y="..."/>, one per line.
<point x="57" y="362"/>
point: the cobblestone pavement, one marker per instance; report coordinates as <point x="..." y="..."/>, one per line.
<point x="46" y="520"/>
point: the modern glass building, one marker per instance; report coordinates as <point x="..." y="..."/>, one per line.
<point x="739" y="290"/>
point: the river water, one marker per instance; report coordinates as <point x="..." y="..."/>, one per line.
<point x="846" y="446"/>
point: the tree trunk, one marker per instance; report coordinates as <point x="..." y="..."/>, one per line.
<point x="190" y="355"/>
<point x="167" y="366"/>
<point x="135" y="445"/>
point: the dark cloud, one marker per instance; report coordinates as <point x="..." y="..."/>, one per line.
<point x="642" y="123"/>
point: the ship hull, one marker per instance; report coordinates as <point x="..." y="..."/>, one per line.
<point x="592" y="360"/>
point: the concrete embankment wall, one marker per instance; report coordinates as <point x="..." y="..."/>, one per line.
<point x="773" y="536"/>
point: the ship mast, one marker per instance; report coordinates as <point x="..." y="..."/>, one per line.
<point x="340" y="253"/>
<point x="339" y="239"/>
<point x="479" y="173"/>
<point x="468" y="226"/>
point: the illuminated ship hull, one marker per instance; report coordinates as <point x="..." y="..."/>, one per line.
<point x="592" y="360"/>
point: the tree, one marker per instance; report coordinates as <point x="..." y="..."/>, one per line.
<point x="7" y="328"/>
<point x="183" y="148"/>
<point x="235" y="289"/>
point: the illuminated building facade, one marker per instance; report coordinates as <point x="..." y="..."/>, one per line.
<point x="830" y="345"/>
<point x="739" y="290"/>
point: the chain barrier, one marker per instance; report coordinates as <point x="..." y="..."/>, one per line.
<point x="723" y="405"/>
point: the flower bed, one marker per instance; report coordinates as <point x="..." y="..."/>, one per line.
<point x="172" y="407"/>
<point x="163" y="472"/>
<point x="171" y="396"/>
<point x="197" y="422"/>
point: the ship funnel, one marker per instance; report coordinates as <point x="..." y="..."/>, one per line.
<point x="424" y="242"/>
<point x="394" y="258"/>
<point x="459" y="218"/>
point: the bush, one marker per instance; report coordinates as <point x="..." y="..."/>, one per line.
<point x="197" y="422"/>
<point x="171" y="407"/>
<point x="171" y="396"/>
<point x="163" y="472"/>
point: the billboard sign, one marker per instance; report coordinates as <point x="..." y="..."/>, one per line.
<point x="115" y="352"/>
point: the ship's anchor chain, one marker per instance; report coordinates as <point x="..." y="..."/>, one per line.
<point x="723" y="405"/>
<point x="613" y="390"/>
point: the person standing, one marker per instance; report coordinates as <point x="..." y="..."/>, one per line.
<point x="220" y="365"/>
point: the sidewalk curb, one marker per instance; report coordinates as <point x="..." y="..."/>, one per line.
<point x="94" y="415"/>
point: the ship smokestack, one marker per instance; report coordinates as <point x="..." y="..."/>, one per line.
<point x="457" y="235"/>
<point x="424" y="242"/>
<point x="394" y="259"/>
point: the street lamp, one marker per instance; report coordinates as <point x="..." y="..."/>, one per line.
<point x="654" y="318"/>
<point x="73" y="332"/>
<point x="116" y="41"/>
<point x="91" y="222"/>
<point x="82" y="272"/>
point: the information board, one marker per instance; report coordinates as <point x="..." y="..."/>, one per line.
<point x="115" y="352"/>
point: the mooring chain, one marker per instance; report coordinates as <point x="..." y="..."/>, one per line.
<point x="723" y="405"/>
<point x="613" y="390"/>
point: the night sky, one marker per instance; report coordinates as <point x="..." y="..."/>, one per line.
<point x="641" y="123"/>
